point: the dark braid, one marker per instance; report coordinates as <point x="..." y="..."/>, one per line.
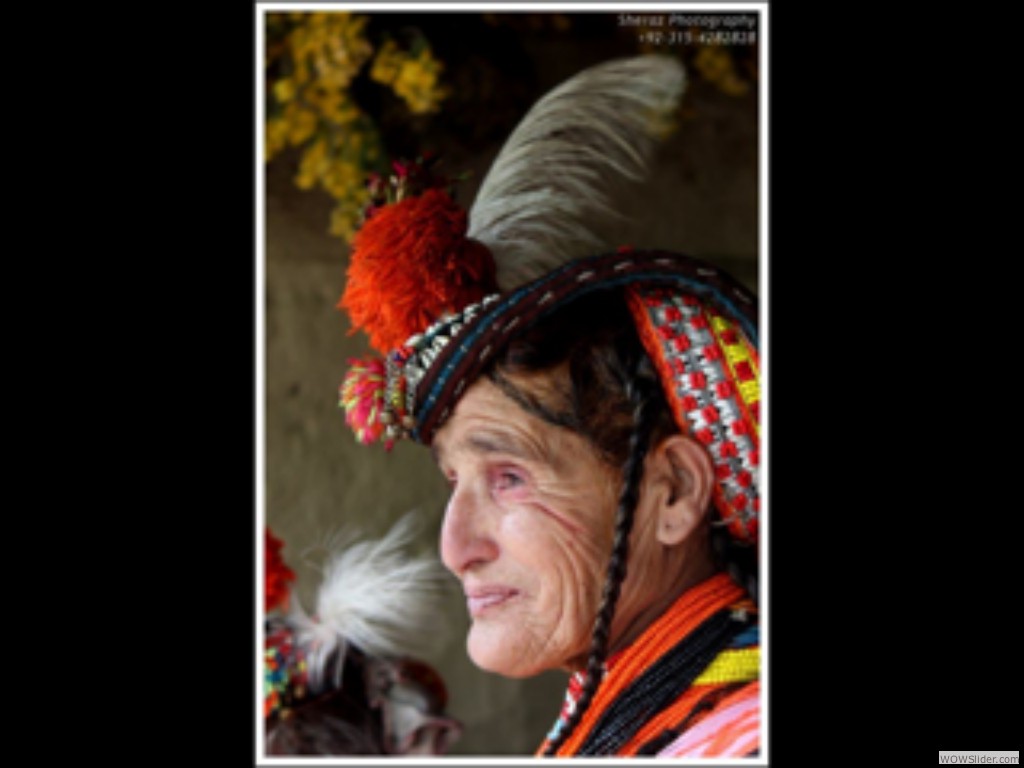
<point x="737" y="559"/>
<point x="647" y="405"/>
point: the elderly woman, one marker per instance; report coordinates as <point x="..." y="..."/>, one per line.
<point x="597" y="419"/>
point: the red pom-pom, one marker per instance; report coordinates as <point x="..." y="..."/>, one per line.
<point x="277" y="573"/>
<point x="412" y="263"/>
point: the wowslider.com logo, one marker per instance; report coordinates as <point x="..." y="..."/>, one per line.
<point x="979" y="758"/>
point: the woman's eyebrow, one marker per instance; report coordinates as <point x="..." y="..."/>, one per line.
<point x="496" y="443"/>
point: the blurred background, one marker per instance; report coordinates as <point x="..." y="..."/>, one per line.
<point x="346" y="93"/>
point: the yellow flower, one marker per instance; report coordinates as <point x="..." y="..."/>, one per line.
<point x="322" y="97"/>
<point x="301" y="123"/>
<point x="313" y="165"/>
<point x="716" y="66"/>
<point x="341" y="178"/>
<point x="387" y="63"/>
<point x="417" y="83"/>
<point x="284" y="90"/>
<point x="345" y="218"/>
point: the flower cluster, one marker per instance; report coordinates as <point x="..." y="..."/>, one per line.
<point x="312" y="62"/>
<point x="716" y="65"/>
<point x="409" y="178"/>
<point x="413" y="77"/>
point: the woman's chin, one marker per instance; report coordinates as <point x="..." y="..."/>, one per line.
<point x="497" y="655"/>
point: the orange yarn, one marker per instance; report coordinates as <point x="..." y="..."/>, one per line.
<point x="412" y="263"/>
<point x="686" y="614"/>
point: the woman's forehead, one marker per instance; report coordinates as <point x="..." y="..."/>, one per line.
<point x="487" y="421"/>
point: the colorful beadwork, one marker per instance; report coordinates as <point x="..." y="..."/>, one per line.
<point x="711" y="382"/>
<point x="615" y="725"/>
<point x="732" y="666"/>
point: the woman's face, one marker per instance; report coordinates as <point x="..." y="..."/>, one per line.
<point x="528" y="531"/>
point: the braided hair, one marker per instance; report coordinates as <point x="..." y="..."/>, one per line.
<point x="603" y="386"/>
<point x="644" y="419"/>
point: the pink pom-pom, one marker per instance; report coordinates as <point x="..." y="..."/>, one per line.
<point x="362" y="397"/>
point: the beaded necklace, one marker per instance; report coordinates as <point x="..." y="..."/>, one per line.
<point x="700" y="650"/>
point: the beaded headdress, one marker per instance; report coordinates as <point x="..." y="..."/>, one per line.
<point x="440" y="291"/>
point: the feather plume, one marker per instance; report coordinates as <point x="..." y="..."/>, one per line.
<point x="375" y="596"/>
<point x="554" y="184"/>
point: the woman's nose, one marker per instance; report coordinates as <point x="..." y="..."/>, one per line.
<point x="466" y="536"/>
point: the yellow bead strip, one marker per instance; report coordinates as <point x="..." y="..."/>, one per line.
<point x="732" y="666"/>
<point x="735" y="354"/>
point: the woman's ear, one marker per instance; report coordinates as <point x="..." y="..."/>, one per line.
<point x="682" y="473"/>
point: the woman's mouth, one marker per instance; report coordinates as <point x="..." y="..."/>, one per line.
<point x="479" y="600"/>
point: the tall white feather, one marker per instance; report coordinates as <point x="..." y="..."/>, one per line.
<point x="375" y="596"/>
<point x="555" y="183"/>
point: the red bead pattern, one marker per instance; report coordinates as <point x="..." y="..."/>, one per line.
<point x="677" y="332"/>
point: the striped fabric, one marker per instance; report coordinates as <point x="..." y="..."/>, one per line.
<point x="732" y="730"/>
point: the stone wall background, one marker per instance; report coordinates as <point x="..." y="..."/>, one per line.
<point x="702" y="200"/>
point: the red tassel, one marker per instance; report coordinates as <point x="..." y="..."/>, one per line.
<point x="411" y="263"/>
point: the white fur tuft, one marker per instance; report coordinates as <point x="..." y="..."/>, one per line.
<point x="375" y="596"/>
<point x="555" y="182"/>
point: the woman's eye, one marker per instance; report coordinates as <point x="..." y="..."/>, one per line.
<point x="506" y="480"/>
